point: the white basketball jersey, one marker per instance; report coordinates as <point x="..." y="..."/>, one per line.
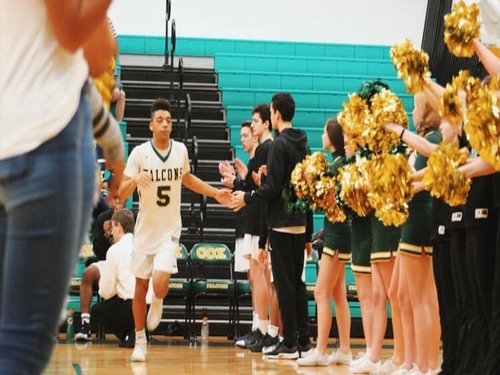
<point x="159" y="220"/>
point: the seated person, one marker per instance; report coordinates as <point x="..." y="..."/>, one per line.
<point x="116" y="285"/>
<point x="101" y="231"/>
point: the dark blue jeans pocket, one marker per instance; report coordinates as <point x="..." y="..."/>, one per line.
<point x="14" y="168"/>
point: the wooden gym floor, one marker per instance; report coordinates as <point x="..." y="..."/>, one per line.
<point x="171" y="355"/>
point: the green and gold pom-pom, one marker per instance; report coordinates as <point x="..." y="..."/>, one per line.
<point x="461" y="26"/>
<point x="355" y="185"/>
<point x="482" y="125"/>
<point x="412" y="65"/>
<point x="453" y="101"/>
<point x="355" y="119"/>
<point x="442" y="178"/>
<point x="386" y="107"/>
<point x="390" y="188"/>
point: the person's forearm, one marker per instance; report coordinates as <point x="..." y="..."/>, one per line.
<point x="433" y="92"/>
<point x="477" y="168"/>
<point x="106" y="129"/>
<point x="74" y="21"/>
<point x="490" y="61"/>
<point x="126" y="189"/>
<point x="413" y="140"/>
<point x="193" y="183"/>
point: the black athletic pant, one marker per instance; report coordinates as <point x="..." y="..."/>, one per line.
<point x="463" y="296"/>
<point x="494" y="352"/>
<point x="448" y="314"/>
<point x="480" y="266"/>
<point x="116" y="315"/>
<point x="287" y="258"/>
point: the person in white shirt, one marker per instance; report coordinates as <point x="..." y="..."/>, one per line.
<point x="158" y="168"/>
<point x="47" y="165"/>
<point x="116" y="284"/>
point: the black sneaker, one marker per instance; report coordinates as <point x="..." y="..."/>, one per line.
<point x="305" y="348"/>
<point x="243" y="341"/>
<point x="262" y="342"/>
<point x="84" y="334"/>
<point x="254" y="339"/>
<point x="281" y="351"/>
<point x="128" y="341"/>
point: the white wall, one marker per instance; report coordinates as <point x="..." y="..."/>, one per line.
<point x="383" y="22"/>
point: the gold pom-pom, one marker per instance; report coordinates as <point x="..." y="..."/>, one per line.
<point x="386" y="107"/>
<point x="306" y="173"/>
<point x="461" y="26"/>
<point x="495" y="83"/>
<point x="355" y="119"/>
<point x="390" y="188"/>
<point x="442" y="178"/>
<point x="453" y="100"/>
<point x="325" y="199"/>
<point x="106" y="83"/>
<point x="482" y="125"/>
<point x="411" y="64"/>
<point x="355" y="185"/>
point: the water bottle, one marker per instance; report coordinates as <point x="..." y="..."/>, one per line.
<point x="204" y="327"/>
<point x="70" y="327"/>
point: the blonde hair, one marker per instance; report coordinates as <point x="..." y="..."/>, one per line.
<point x="428" y="116"/>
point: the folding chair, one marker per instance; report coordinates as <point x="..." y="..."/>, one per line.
<point x="215" y="258"/>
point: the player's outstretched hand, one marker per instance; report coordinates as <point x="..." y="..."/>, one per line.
<point x="223" y="196"/>
<point x="237" y="201"/>
<point x="116" y="168"/>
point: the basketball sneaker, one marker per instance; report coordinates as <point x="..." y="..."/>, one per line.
<point x="140" y="350"/>
<point x="261" y="342"/>
<point x="281" y="351"/>
<point x="245" y="340"/>
<point x="154" y="314"/>
<point x="84" y="334"/>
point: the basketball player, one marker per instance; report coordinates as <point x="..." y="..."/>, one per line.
<point x="158" y="168"/>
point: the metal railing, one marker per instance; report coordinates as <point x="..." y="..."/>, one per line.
<point x="203" y="215"/>
<point x="187" y="116"/>
<point x="180" y="77"/>
<point x="168" y="12"/>
<point x="172" y="54"/>
<point x="193" y="228"/>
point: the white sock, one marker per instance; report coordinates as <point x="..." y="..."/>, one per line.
<point x="272" y="330"/>
<point x="262" y="325"/>
<point x="255" y="321"/>
<point x="85" y="317"/>
<point x="140" y="335"/>
<point x="368" y="351"/>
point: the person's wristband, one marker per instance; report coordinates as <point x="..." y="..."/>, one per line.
<point x="401" y="134"/>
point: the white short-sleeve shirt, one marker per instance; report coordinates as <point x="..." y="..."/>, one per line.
<point x="159" y="219"/>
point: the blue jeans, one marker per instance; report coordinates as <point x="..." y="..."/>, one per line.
<point x="45" y="205"/>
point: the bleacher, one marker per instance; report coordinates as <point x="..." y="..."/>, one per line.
<point x="209" y="105"/>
